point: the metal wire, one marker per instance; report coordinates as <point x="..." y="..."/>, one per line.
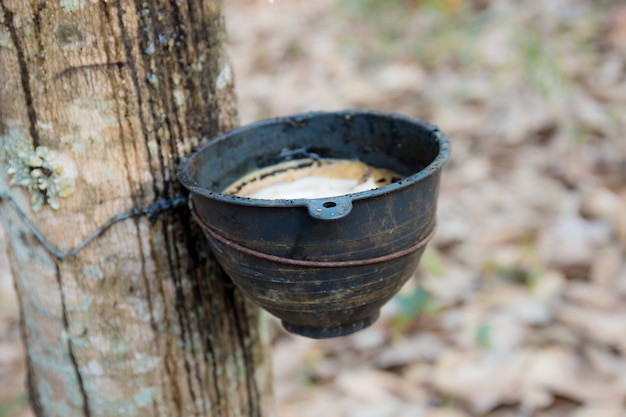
<point x="152" y="211"/>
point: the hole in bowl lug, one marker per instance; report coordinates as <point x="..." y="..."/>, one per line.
<point x="329" y="210"/>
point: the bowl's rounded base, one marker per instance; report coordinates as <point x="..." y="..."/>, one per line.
<point x="327" y="332"/>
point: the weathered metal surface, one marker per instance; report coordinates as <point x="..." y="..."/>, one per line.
<point x="312" y="299"/>
<point x="304" y="262"/>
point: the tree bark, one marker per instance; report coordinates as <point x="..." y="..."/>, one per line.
<point x="139" y="322"/>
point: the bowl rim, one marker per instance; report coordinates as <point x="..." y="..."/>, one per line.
<point x="344" y="200"/>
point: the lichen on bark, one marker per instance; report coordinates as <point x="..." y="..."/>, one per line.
<point x="34" y="169"/>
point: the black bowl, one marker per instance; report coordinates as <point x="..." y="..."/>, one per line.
<point x="324" y="266"/>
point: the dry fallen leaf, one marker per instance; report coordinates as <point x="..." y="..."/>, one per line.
<point x="420" y="347"/>
<point x="614" y="410"/>
<point x="608" y="328"/>
<point x="608" y="364"/>
<point x="559" y="371"/>
<point x="445" y="413"/>
<point x="372" y="386"/>
<point x="572" y="241"/>
<point x="617" y="34"/>
<point x="481" y="380"/>
<point x="594" y="297"/>
<point x="606" y="267"/>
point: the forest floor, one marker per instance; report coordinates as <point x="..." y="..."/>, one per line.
<point x="519" y="306"/>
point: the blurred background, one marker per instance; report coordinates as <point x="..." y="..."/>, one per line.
<point x="519" y="306"/>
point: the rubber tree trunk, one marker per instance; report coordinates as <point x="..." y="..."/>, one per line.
<point x="99" y="101"/>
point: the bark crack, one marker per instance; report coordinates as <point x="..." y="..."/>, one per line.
<point x="70" y="346"/>
<point x="183" y="320"/>
<point x="243" y="330"/>
<point x="135" y="79"/>
<point x="194" y="267"/>
<point x="169" y="362"/>
<point x="40" y="56"/>
<point x="33" y="391"/>
<point x="180" y="221"/>
<point x="85" y="68"/>
<point x="153" y="30"/>
<point x="24" y="74"/>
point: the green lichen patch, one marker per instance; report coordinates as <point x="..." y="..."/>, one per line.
<point x="72" y="5"/>
<point x="144" y="397"/>
<point x="35" y="170"/>
<point x="5" y="40"/>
